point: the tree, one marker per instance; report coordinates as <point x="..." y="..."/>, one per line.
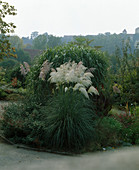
<point x="40" y="42"/>
<point x="54" y="41"/>
<point x="23" y="56"/>
<point x="79" y="40"/>
<point x="83" y="41"/>
<point x="34" y="34"/>
<point x="5" y="47"/>
<point x="126" y="74"/>
<point x="16" y="42"/>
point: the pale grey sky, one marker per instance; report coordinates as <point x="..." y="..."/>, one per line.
<point x="75" y="17"/>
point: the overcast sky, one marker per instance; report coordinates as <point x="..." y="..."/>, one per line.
<point x="75" y="17"/>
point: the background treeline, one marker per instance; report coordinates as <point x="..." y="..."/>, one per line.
<point x="28" y="47"/>
<point x="107" y="41"/>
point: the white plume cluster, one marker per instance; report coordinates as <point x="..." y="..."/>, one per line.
<point x="45" y="69"/>
<point x="24" y="69"/>
<point x="74" y="75"/>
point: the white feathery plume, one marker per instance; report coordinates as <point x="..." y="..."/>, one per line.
<point x="84" y="92"/>
<point x="27" y="67"/>
<point x="44" y="69"/>
<point x="66" y="88"/>
<point x="74" y="73"/>
<point x="77" y="86"/>
<point x="92" y="89"/>
<point x="23" y="70"/>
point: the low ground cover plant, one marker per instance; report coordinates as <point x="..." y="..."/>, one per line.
<point x="130" y="130"/>
<point x="65" y="123"/>
<point x="108" y="132"/>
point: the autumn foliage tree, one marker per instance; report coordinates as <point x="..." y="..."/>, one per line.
<point x="6" y="28"/>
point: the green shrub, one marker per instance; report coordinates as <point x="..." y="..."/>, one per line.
<point x="130" y="126"/>
<point x="23" y="56"/>
<point x="9" y="63"/>
<point x="65" y="123"/>
<point x="137" y="87"/>
<point x="15" y="72"/>
<point x="14" y="97"/>
<point x="130" y="134"/>
<point x="126" y="74"/>
<point x="21" y="121"/>
<point x="2" y="94"/>
<point x="108" y="130"/>
<point x="91" y="58"/>
<point x="2" y="76"/>
<point x="126" y="119"/>
<point x="136" y="110"/>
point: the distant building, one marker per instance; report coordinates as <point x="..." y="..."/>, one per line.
<point x="137" y="30"/>
<point x="124" y="31"/>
